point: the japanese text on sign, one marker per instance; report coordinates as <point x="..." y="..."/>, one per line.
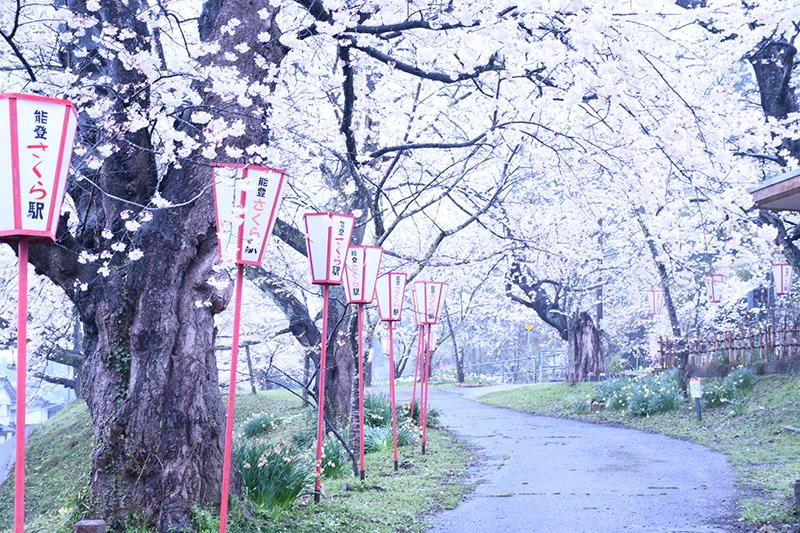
<point x="339" y="245"/>
<point x="38" y="191"/>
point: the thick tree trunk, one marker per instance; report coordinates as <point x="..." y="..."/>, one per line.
<point x="585" y="354"/>
<point x="151" y="384"/>
<point x="773" y="64"/>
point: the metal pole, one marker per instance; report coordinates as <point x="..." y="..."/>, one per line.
<point x="321" y="392"/>
<point x="539" y="373"/>
<point x="226" y="468"/>
<point x="22" y="362"/>
<point x="416" y="370"/>
<point x="528" y="352"/>
<point x="391" y="392"/>
<point x="424" y="413"/>
<point x="361" y="386"/>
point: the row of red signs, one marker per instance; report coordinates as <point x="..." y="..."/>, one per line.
<point x="782" y="275"/>
<point x="247" y="198"/>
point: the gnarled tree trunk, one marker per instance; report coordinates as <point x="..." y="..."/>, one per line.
<point x="585" y="354"/>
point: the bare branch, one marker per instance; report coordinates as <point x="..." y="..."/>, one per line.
<point x="404" y="147"/>
<point x="493" y="65"/>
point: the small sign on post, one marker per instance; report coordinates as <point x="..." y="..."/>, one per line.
<point x="696" y="391"/>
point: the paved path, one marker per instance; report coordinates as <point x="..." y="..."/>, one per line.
<point x="542" y="474"/>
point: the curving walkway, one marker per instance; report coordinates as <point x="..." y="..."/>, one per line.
<point x="541" y="474"/>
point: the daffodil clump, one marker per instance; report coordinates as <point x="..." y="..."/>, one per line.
<point x="258" y="425"/>
<point x="640" y="396"/>
<point x="273" y="474"/>
<point x="730" y="389"/>
<point x="378" y="430"/>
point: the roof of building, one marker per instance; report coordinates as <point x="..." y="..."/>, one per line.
<point x="781" y="193"/>
<point x="6" y="384"/>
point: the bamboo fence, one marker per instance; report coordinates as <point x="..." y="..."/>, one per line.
<point x="764" y="345"/>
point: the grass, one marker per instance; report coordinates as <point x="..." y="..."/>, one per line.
<point x="57" y="470"/>
<point x="751" y="433"/>
<point x="59" y="457"/>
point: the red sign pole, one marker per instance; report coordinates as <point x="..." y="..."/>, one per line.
<point x="391" y="392"/>
<point x="361" y="387"/>
<point x="226" y="468"/>
<point x="22" y="362"/>
<point x="416" y="371"/>
<point x="426" y="377"/>
<point x="321" y="395"/>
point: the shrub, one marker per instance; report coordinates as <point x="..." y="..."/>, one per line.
<point x="715" y="393"/>
<point x="378" y="411"/>
<point x="334" y="457"/>
<point x="740" y="379"/>
<point x="432" y="420"/>
<point x="642" y="396"/>
<point x="258" y="425"/>
<point x="720" y="392"/>
<point x="380" y="438"/>
<point x="613" y="393"/>
<point x="272" y="475"/>
<point x="377" y="438"/>
<point x="581" y="407"/>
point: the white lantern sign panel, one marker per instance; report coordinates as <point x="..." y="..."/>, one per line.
<point x="390" y="289"/>
<point x="247" y="199"/>
<point x="415" y="306"/>
<point x="36" y="138"/>
<point x="430" y="296"/>
<point x="385" y="346"/>
<point x="434" y="339"/>
<point x="327" y="241"/>
<point x="656" y="300"/>
<point x="361" y="273"/>
<point x="714" y="287"/>
<point x="782" y="277"/>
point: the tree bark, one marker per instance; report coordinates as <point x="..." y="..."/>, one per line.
<point x="773" y="65"/>
<point x="585" y="354"/>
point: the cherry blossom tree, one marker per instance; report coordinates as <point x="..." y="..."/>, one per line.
<point x="601" y="148"/>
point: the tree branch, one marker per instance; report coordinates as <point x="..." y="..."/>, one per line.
<point x="413" y="146"/>
<point x="492" y="65"/>
<point x="9" y="38"/>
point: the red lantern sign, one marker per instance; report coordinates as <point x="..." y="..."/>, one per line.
<point x="430" y="300"/>
<point x="36" y="137"/>
<point x="782" y="276"/>
<point x="328" y="239"/>
<point x="656" y="299"/>
<point x="714" y="287"/>
<point x="361" y="273"/>
<point x="246" y="198"/>
<point x="390" y="289"/>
